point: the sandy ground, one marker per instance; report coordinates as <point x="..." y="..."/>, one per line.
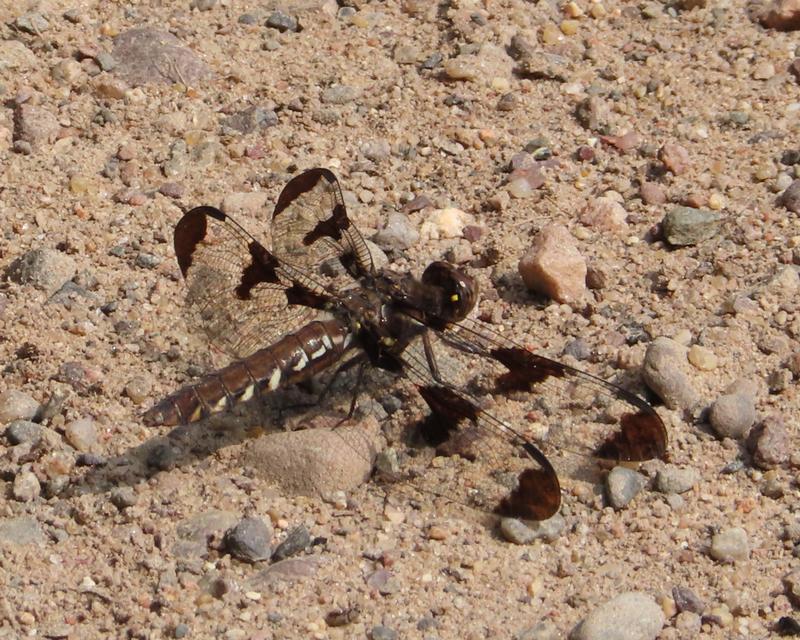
<point x="400" y="99"/>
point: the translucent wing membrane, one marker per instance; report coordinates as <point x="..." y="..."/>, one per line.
<point x="575" y="410"/>
<point x="571" y="414"/>
<point x="311" y="230"/>
<point x="507" y="474"/>
<point x="236" y="289"/>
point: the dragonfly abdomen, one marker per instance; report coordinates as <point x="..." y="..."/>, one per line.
<point x="294" y="358"/>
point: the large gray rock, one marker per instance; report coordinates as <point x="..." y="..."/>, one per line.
<point x="147" y="54"/>
<point x="316" y="462"/>
<point x="628" y="616"/>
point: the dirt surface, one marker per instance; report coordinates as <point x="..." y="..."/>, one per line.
<point x="111" y="529"/>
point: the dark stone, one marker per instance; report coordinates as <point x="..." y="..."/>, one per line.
<point x="298" y="539"/>
<point x="249" y="540"/>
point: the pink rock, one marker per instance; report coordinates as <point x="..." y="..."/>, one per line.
<point x="624" y="143"/>
<point x="653" y="193"/>
<point x="769" y="443"/>
<point x="554" y="266"/>
<point x="35" y="124"/>
<point x="675" y="158"/>
<point x="604" y="214"/>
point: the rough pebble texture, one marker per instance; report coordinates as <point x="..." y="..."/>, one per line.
<point x="516" y="114"/>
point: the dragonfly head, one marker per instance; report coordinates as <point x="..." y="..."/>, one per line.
<point x="459" y="291"/>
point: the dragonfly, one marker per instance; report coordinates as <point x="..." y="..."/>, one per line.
<point x="314" y="302"/>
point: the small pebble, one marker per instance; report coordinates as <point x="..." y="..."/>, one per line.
<point x="519" y="532"/>
<point x="81" y="434"/>
<point x="507" y="102"/>
<point x="730" y="545"/>
<point x="282" y="22"/>
<point x="380" y="632"/>
<point x="173" y="190"/>
<point x="702" y="358"/>
<point x="634" y="612"/>
<point x="554" y="266"/>
<point x="790" y="199"/>
<point x="106" y="61"/>
<point x="26" y="486"/>
<point x="652" y="193"/>
<point x="123" y="497"/>
<point x="675" y="158"/>
<point x="181" y="630"/>
<point x="445" y="223"/>
<point x="672" y="479"/>
<point x="769" y="443"/>
<point x="399" y="233"/>
<point x="623" y="485"/>
<point x="147" y="260"/>
<point x="16" y="405"/>
<point x="732" y="415"/>
<point x="45" y="269"/>
<point x="296" y="541"/>
<point x="766" y="171"/>
<point x="461" y="68"/>
<point x="376" y="150"/>
<point x="249" y="540"/>
<point x="686" y="600"/>
<point x="21" y="431"/>
<point x="663" y="372"/>
<point x="32" y="23"/>
<point x="684" y="226"/>
<point x="138" y="389"/>
<point x="339" y="94"/>
<point x="578" y="349"/>
<point x="604" y="214"/>
<point x="763" y="70"/>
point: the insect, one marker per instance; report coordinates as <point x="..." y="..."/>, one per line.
<point x="314" y="301"/>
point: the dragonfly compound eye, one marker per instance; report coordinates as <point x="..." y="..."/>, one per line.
<point x="460" y="291"/>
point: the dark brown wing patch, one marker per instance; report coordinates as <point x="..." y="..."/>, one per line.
<point x="262" y="268"/>
<point x="190" y="231"/>
<point x="525" y="369"/>
<point x="641" y="436"/>
<point x="537" y="494"/>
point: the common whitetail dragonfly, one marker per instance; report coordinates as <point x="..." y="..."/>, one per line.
<point x="317" y="302"/>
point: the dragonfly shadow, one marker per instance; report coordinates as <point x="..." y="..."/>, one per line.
<point x="189" y="444"/>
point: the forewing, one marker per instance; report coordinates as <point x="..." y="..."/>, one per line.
<point x="239" y="293"/>
<point x="311" y="229"/>
<point x="499" y="470"/>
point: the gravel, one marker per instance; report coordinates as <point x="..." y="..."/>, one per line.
<point x="628" y="616"/>
<point x="623" y="485"/>
<point x="732" y="415"/>
<point x="116" y="121"/>
<point x="730" y="545"/>
<point x="685" y="226"/>
<point x="249" y="540"/>
<point x="664" y="372"/>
